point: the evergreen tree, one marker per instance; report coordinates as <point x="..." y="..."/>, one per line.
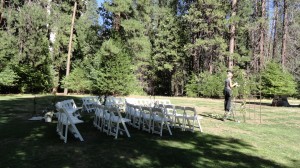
<point x="277" y="82"/>
<point x="165" y="49"/>
<point x="33" y="57"/>
<point x="207" y="44"/>
<point x="112" y="71"/>
<point x="131" y="20"/>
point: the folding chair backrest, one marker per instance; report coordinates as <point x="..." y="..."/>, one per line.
<point x="158" y="112"/>
<point x="99" y="109"/>
<point x="169" y="108"/>
<point x="68" y="104"/>
<point x="58" y="105"/>
<point x="190" y="111"/>
<point x="179" y="109"/>
<point x="145" y="110"/>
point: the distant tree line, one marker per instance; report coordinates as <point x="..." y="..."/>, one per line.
<point x="161" y="47"/>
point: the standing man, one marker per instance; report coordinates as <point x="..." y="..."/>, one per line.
<point x="227" y="94"/>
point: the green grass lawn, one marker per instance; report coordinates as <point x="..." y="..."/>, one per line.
<point x="270" y="137"/>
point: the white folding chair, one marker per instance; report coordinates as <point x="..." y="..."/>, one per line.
<point x="146" y="115"/>
<point x="66" y="123"/>
<point x="99" y="115"/>
<point x="115" y="120"/>
<point x="179" y="117"/>
<point x="136" y="116"/>
<point x="128" y="110"/>
<point x="106" y="120"/>
<point x="190" y="118"/>
<point x="170" y="113"/>
<point x="70" y="107"/>
<point x="89" y="102"/>
<point x="159" y="121"/>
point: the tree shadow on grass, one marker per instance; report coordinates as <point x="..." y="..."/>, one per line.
<point x="35" y="144"/>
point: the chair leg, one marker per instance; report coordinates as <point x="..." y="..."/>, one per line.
<point x="169" y="128"/>
<point x="124" y="126"/>
<point x="66" y="133"/>
<point x="117" y="131"/>
<point x="199" y="125"/>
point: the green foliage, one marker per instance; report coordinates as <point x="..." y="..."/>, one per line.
<point x="112" y="71"/>
<point x="206" y="24"/>
<point x="8" y="77"/>
<point x="276" y="81"/>
<point x="77" y="81"/>
<point x="192" y="87"/>
<point x="32" y="80"/>
<point x="32" y="63"/>
<point x="206" y="85"/>
<point x="247" y="84"/>
<point x="211" y="85"/>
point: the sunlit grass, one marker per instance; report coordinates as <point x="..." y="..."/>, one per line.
<point x="269" y="138"/>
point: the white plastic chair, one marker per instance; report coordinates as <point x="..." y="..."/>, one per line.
<point x="66" y="123"/>
<point x="170" y="113"/>
<point x="136" y="117"/>
<point x="115" y="120"/>
<point x="70" y="107"/>
<point x="179" y="117"/>
<point x="89" y="102"/>
<point x="146" y="115"/>
<point x="159" y="121"/>
<point x="106" y="121"/>
<point x="99" y="115"/>
<point x="190" y="118"/>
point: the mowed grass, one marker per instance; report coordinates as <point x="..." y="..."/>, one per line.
<point x="269" y="138"/>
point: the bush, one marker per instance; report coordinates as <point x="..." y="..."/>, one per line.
<point x="206" y="85"/>
<point x="77" y="81"/>
<point x="277" y="81"/>
<point x="112" y="71"/>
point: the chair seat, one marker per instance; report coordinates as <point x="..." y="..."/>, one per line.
<point x="118" y="119"/>
<point x="72" y="110"/>
<point x="74" y="119"/>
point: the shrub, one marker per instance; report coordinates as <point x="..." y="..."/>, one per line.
<point x="77" y="81"/>
<point x="277" y="81"/>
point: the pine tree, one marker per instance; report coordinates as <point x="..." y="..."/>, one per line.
<point x="165" y="49"/>
<point x="277" y="82"/>
<point x="112" y="71"/>
<point x="207" y="46"/>
<point x="33" y="57"/>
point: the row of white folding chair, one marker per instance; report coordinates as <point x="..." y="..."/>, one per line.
<point x="147" y="102"/>
<point x="183" y="117"/>
<point x="150" y="119"/>
<point x="112" y="101"/>
<point x="154" y="119"/>
<point x="133" y="113"/>
<point x="67" y="122"/>
<point x="110" y="120"/>
<point x="88" y="103"/>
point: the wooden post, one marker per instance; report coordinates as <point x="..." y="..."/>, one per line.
<point x="70" y="46"/>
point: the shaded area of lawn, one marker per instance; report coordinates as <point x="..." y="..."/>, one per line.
<point x="35" y="144"/>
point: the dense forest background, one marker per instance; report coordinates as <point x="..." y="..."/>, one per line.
<point x="161" y="47"/>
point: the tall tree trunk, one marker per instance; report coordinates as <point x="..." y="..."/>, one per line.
<point x="285" y="31"/>
<point x="1" y="11"/>
<point x="262" y="33"/>
<point x="117" y="21"/>
<point x="275" y="29"/>
<point x="70" y="45"/>
<point x="232" y="36"/>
